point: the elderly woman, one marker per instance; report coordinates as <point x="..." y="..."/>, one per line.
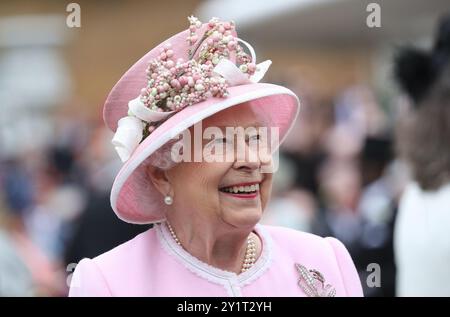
<point x="204" y="184"/>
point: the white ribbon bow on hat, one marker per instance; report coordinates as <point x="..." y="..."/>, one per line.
<point x="127" y="137"/>
<point x="130" y="128"/>
<point x="234" y="76"/>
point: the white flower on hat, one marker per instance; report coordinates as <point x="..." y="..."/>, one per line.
<point x="127" y="136"/>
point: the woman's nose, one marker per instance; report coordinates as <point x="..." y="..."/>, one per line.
<point x="247" y="157"/>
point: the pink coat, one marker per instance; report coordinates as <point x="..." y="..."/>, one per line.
<point x="152" y="264"/>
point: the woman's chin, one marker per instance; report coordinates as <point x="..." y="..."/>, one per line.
<point x="247" y="217"/>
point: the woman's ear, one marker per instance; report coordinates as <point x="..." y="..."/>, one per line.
<point x="159" y="179"/>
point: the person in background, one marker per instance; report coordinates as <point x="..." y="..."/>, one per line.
<point x="422" y="235"/>
<point x="25" y="270"/>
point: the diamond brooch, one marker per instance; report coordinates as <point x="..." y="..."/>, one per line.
<point x="313" y="284"/>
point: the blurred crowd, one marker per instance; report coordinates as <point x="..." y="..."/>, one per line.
<point x="339" y="177"/>
<point x="54" y="209"/>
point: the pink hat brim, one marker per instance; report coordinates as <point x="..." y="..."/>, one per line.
<point x="134" y="198"/>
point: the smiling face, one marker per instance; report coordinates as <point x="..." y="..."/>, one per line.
<point x="234" y="192"/>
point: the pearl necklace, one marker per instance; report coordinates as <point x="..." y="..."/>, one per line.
<point x="250" y="251"/>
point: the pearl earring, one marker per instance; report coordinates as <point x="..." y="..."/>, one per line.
<point x="168" y="200"/>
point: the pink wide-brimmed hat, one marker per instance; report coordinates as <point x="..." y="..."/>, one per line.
<point x="185" y="79"/>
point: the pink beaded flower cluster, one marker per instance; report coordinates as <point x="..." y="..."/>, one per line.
<point x="173" y="86"/>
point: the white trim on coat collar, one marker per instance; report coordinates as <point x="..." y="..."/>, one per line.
<point x="231" y="281"/>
